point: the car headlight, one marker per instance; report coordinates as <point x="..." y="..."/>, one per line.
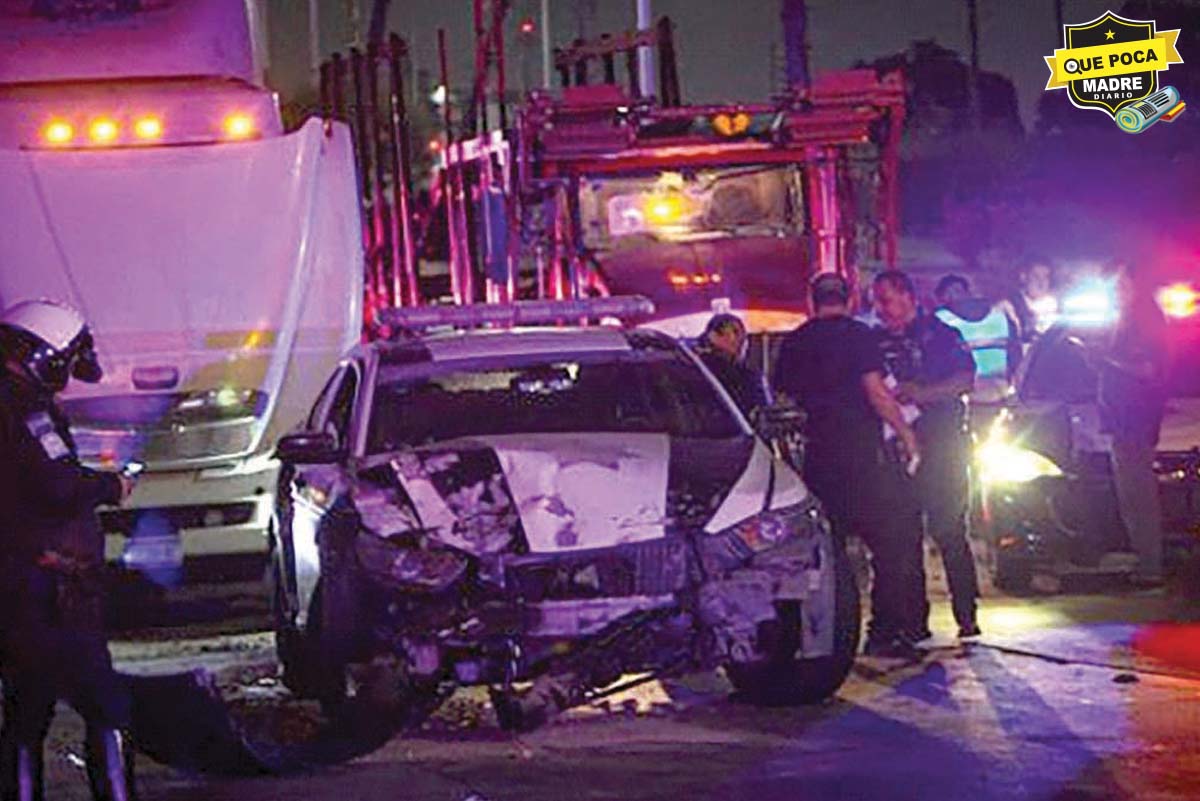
<point x="1005" y="463"/>
<point x="731" y="548"/>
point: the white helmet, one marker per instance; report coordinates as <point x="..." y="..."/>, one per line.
<point x="51" y="341"/>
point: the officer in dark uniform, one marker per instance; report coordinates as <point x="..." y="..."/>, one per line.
<point x="831" y="366"/>
<point x="52" y="642"/>
<point x="934" y="372"/>
<point x="722" y="348"/>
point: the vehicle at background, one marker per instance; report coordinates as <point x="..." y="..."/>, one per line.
<point x="715" y="208"/>
<point x="555" y="505"/>
<point x="1048" y="501"/>
<point x="146" y="179"/>
<point x="603" y="188"/>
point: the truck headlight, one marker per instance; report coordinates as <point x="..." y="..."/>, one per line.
<point x="1005" y="463"/>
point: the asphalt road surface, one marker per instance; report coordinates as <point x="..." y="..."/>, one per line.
<point x="1082" y="696"/>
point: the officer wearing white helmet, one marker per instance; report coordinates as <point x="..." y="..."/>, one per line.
<point x="52" y="642"/>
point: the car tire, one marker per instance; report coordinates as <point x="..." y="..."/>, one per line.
<point x="782" y="680"/>
<point x="1012" y="576"/>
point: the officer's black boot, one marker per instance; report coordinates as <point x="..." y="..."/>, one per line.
<point x="109" y="766"/>
<point x="20" y="770"/>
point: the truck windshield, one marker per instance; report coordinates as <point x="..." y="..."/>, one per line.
<point x="639" y="392"/>
<point x="699" y="204"/>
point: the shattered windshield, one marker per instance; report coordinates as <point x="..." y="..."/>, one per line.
<point x="760" y="200"/>
<point x="638" y="392"/>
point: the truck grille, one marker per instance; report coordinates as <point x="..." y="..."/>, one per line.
<point x="122" y="521"/>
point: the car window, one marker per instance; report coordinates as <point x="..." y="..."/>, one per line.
<point x="323" y="400"/>
<point x="342" y="409"/>
<point x="1059" y="372"/>
<point x="660" y="392"/>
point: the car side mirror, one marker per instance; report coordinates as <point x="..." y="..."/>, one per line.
<point x="309" y="448"/>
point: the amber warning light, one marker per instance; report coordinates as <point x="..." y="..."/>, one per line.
<point x="103" y="131"/>
<point x="239" y="126"/>
<point x="58" y="132"/>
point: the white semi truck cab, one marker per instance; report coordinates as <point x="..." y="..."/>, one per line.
<point x="146" y="179"/>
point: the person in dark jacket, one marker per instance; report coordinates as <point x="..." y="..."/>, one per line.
<point x="831" y="366"/>
<point x="1133" y="399"/>
<point x="722" y="348"/>
<point x="52" y="642"/>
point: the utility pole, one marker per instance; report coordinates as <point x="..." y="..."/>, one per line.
<point x="646" y="76"/>
<point x="355" y="16"/>
<point x="794" y="15"/>
<point x="378" y="24"/>
<point x="973" y="73"/>
<point x="314" y="39"/>
<point x="547" y="62"/>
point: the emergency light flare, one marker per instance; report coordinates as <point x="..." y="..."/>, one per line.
<point x="1092" y="305"/>
<point x="1179" y="301"/>
<point x="58" y="132"/>
<point x="103" y="131"/>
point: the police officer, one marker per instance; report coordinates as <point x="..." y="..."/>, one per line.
<point x="52" y="643"/>
<point x="722" y="348"/>
<point x="832" y="367"/>
<point x="1133" y="398"/>
<point x="991" y="332"/>
<point x="934" y="371"/>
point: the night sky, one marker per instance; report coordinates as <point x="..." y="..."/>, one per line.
<point x="725" y="45"/>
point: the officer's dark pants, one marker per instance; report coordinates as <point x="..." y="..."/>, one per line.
<point x="47" y="656"/>
<point x="863" y="497"/>
<point x="943" y="488"/>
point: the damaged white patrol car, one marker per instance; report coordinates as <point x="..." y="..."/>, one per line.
<point x="544" y="511"/>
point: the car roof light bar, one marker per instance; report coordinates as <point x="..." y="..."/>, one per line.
<point x="519" y="313"/>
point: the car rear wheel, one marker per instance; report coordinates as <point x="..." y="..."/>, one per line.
<point x="782" y="680"/>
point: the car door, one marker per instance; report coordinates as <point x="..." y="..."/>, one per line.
<point x="314" y="488"/>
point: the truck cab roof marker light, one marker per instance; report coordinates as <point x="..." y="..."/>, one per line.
<point x="238" y="125"/>
<point x="148" y="128"/>
<point x="520" y="313"/>
<point x="58" y="133"/>
<point x="103" y="131"/>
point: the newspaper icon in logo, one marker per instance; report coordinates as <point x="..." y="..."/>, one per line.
<point x="1112" y="64"/>
<point x="1163" y="105"/>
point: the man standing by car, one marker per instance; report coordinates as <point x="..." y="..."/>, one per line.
<point x="722" y="348"/>
<point x="933" y="368"/>
<point x="832" y="367"/>
<point x="1132" y="403"/>
<point x="52" y="643"/>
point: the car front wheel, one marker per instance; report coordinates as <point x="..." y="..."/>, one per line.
<point x="779" y="679"/>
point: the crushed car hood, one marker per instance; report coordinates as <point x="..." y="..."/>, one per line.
<point x="565" y="492"/>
